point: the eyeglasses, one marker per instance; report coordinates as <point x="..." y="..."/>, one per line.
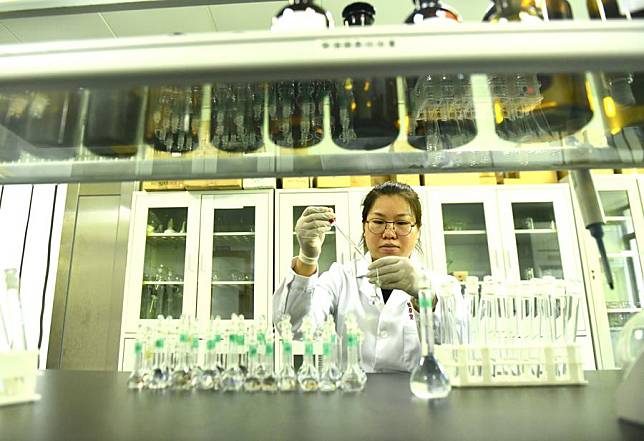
<point x="378" y="226"/>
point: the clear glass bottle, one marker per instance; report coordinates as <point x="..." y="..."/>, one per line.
<point x="159" y="373"/>
<point x="233" y="377"/>
<point x="252" y="382"/>
<point x="428" y="380"/>
<point x="440" y="107"/>
<point x="287" y="380"/>
<point x="269" y="380"/>
<point x="330" y="374"/>
<point x="296" y="107"/>
<point x="532" y="107"/>
<point x="114" y="120"/>
<point x="136" y="380"/>
<point x="353" y="378"/>
<point x="210" y="378"/>
<point x="181" y="375"/>
<point x="308" y="376"/>
<point x="364" y="111"/>
<point x="622" y="93"/>
<point x="173" y="118"/>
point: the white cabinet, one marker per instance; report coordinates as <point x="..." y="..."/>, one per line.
<point x="508" y="232"/>
<point x="624" y="240"/>
<point x="200" y="254"/>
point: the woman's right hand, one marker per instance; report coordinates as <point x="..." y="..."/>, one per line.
<point x="310" y="229"/>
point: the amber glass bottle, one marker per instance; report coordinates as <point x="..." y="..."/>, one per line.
<point x="114" y="118"/>
<point x="364" y="111"/>
<point x="622" y="93"/>
<point x="440" y="107"/>
<point x="295" y="108"/>
<point x="531" y="107"/>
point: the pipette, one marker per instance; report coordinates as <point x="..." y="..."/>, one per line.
<point x="348" y="239"/>
<point x="591" y="213"/>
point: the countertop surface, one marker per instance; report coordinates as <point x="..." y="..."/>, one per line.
<point x="83" y="405"/>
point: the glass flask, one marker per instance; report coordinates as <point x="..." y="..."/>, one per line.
<point x="114" y="118"/>
<point x="308" y="376"/>
<point x="364" y="111"/>
<point x="136" y="380"/>
<point x="287" y="380"/>
<point x="622" y="93"/>
<point x="428" y="380"/>
<point x="353" y="378"/>
<point x="296" y="107"/>
<point x="532" y="107"/>
<point x="440" y="107"/>
<point x="173" y="118"/>
<point x="48" y="120"/>
<point x="237" y="116"/>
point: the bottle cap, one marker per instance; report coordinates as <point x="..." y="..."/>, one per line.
<point x="358" y="14"/>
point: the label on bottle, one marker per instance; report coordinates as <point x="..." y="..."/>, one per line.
<point x="211" y="345"/>
<point x="439" y="20"/>
<point x="307" y="20"/>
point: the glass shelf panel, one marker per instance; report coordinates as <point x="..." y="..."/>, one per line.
<point x="140" y="91"/>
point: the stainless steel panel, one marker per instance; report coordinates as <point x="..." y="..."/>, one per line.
<point x="89" y="295"/>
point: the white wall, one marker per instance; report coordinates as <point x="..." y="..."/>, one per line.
<point x="30" y="226"/>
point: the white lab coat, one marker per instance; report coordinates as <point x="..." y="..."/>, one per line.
<point x="390" y="330"/>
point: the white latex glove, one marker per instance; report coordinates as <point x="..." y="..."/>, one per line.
<point x="310" y="230"/>
<point x="395" y="272"/>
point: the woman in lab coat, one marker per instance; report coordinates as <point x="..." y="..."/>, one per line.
<point x="391" y="218"/>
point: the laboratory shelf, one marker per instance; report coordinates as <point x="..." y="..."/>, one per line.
<point x="261" y="57"/>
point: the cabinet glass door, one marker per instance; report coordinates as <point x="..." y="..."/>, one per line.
<point x="234" y="260"/>
<point x="290" y="206"/>
<point x="164" y="262"/>
<point x="466" y="240"/>
<point x="623" y="254"/>
<point x="537" y="241"/>
<point x="233" y="263"/>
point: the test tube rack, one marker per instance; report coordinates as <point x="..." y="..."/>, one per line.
<point x="18" y="372"/>
<point x="512" y="364"/>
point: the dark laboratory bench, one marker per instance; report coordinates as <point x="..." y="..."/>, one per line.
<point x="84" y="405"/>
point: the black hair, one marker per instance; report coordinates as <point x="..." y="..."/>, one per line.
<point x="391" y="188"/>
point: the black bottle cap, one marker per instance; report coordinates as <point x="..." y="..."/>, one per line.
<point x="358" y="14"/>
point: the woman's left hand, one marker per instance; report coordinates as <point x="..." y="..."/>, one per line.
<point x="395" y="272"/>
